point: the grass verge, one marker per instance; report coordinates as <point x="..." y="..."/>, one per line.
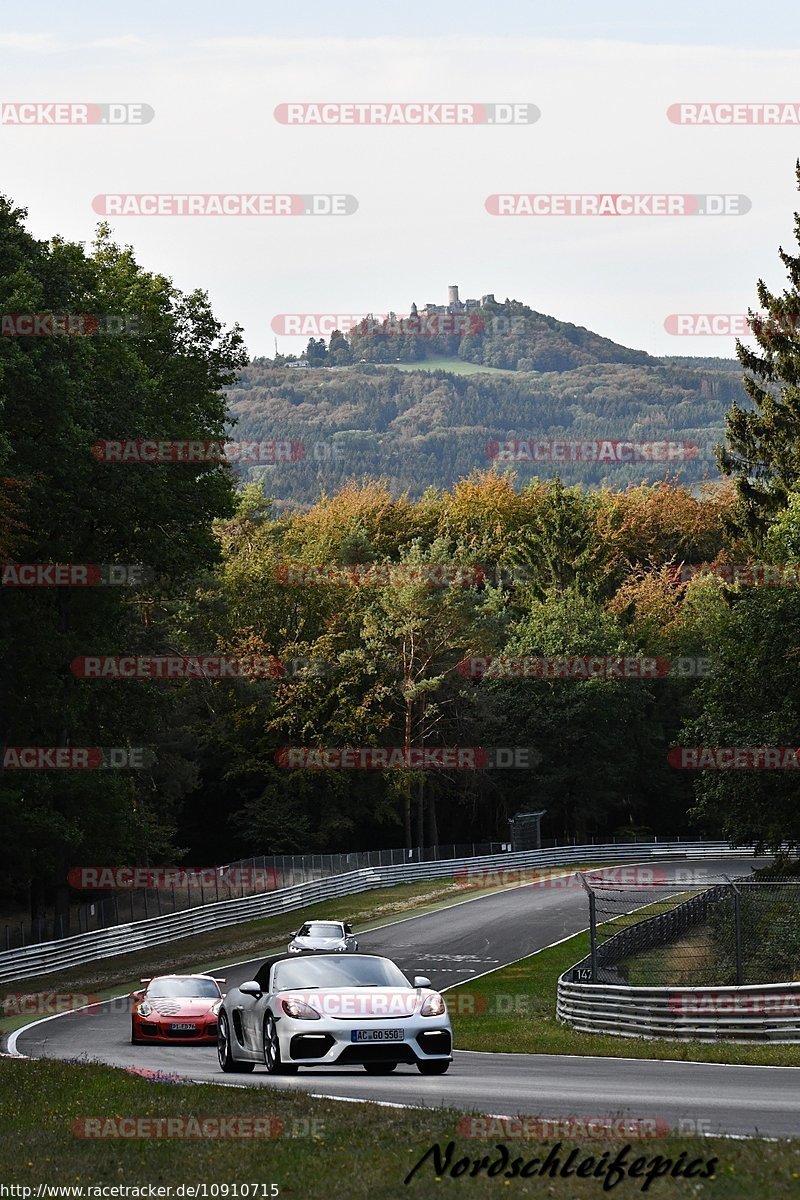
<point x="326" y="1149"/>
<point x="513" y="1010"/>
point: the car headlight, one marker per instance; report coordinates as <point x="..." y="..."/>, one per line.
<point x="342" y="946"/>
<point x="433" y="1006"/>
<point x="215" y="1007"/>
<point x="294" y="949"/>
<point x="143" y="1009"/>
<point x="299" y="1010"/>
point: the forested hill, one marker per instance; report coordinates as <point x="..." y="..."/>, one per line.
<point x="419" y="402"/>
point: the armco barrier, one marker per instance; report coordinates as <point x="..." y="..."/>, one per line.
<point x="768" y="1012"/>
<point x="41" y="959"/>
<point x="756" y="1012"/>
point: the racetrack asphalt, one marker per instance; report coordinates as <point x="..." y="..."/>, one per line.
<point x="453" y="945"/>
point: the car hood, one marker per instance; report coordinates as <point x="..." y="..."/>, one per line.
<point x="361" y="1002"/>
<point x="182" y="1006"/>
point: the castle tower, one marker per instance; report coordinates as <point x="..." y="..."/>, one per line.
<point x="452" y="296"/>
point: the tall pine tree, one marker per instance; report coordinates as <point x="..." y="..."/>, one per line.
<point x="763" y="452"/>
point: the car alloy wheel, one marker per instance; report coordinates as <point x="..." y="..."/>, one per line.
<point x="272" y="1050"/>
<point x="226" y="1060"/>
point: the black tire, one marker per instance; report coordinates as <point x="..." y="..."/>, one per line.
<point x="272" y="1050"/>
<point x="379" y="1068"/>
<point x="435" y="1067"/>
<point x="227" y="1062"/>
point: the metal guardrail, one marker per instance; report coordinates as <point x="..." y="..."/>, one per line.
<point x="747" y="1013"/>
<point x="43" y="958"/>
<point x="757" y="1012"/>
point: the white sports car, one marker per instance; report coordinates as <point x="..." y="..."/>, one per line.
<point x="323" y="935"/>
<point x="323" y="1010"/>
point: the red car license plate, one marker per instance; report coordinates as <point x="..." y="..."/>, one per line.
<point x="182" y="1027"/>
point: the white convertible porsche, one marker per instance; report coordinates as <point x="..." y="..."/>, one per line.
<point x="324" y="1010"/>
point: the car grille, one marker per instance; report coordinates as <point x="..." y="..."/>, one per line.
<point x="183" y="1033"/>
<point x="388" y="1052"/>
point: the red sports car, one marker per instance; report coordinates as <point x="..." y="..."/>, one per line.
<point x="176" y="1008"/>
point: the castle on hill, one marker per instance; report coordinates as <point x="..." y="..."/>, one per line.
<point x="454" y="305"/>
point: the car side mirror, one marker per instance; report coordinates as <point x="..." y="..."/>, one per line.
<point x="250" y="988"/>
<point x="137" y="995"/>
<point x="421" y="981"/>
<point x="293" y="933"/>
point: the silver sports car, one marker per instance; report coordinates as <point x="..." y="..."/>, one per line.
<point x="323" y="1010"/>
<point x="323" y="935"/>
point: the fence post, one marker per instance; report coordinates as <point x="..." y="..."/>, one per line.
<point x="737" y="920"/>
<point x="592" y="926"/>
<point x="737" y="912"/>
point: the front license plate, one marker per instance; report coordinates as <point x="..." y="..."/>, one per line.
<point x="182" y="1028"/>
<point x="377" y="1035"/>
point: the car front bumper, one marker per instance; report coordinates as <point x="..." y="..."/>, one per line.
<point x="423" y="1041"/>
<point x="159" y="1031"/>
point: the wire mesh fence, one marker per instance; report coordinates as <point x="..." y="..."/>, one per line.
<point x="181" y="888"/>
<point x="696" y="929"/>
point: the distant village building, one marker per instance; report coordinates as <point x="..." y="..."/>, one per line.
<point x="454" y="305"/>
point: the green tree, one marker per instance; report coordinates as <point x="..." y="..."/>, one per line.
<point x="763" y="451"/>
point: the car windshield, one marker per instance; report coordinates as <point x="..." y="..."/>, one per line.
<point x="341" y="972"/>
<point x="202" y="988"/>
<point x="321" y="929"/>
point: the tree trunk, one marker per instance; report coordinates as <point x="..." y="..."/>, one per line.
<point x="433" y="827"/>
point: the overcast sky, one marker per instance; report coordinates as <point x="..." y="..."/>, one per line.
<point x="602" y="77"/>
